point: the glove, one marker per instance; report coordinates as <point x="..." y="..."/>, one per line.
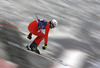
<point x="29" y="36"/>
<point x="44" y="46"/>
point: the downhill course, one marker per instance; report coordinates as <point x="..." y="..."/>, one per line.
<point x="75" y="40"/>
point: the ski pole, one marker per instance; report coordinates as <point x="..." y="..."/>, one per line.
<point x="39" y="24"/>
<point x="23" y="33"/>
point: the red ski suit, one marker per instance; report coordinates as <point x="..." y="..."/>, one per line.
<point x="34" y="29"/>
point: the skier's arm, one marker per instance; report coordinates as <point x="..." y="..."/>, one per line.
<point x="46" y="37"/>
<point x="46" y="34"/>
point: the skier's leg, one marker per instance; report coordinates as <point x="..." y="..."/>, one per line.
<point x="38" y="40"/>
<point x="33" y="47"/>
<point x="36" y="43"/>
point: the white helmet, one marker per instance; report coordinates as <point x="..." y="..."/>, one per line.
<point x="54" y="22"/>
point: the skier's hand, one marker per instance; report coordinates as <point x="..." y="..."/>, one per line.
<point x="29" y="36"/>
<point x="44" y="46"/>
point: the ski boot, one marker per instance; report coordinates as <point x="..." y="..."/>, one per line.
<point x="33" y="47"/>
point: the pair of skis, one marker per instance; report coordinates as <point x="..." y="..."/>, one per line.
<point x="49" y="58"/>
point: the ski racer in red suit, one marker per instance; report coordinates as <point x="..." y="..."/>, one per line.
<point x="35" y="28"/>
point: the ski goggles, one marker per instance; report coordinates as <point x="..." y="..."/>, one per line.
<point x="52" y="24"/>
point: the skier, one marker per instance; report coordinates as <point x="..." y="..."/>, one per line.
<point x="35" y="29"/>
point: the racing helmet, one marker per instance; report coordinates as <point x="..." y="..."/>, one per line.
<point x="54" y="22"/>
